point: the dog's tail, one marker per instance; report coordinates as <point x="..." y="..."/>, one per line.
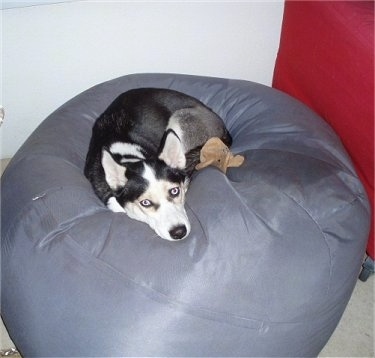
<point x="192" y="159"/>
<point x="226" y="138"/>
<point x="193" y="156"/>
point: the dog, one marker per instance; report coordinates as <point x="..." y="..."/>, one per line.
<point x="142" y="154"/>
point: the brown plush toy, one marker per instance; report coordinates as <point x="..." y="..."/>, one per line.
<point x="216" y="153"/>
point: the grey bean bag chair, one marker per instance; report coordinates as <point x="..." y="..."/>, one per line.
<point x="272" y="259"/>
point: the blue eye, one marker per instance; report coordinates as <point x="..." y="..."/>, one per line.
<point x="174" y="192"/>
<point x="146" y="203"/>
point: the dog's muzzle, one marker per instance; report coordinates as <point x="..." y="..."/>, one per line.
<point x="178" y="232"/>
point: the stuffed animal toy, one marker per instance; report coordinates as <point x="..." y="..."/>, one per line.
<point x="216" y="153"/>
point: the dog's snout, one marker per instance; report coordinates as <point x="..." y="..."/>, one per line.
<point x="178" y="232"/>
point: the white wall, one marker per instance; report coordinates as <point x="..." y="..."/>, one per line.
<point x="52" y="52"/>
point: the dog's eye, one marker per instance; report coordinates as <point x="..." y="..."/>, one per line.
<point x="174" y="192"/>
<point x="146" y="203"/>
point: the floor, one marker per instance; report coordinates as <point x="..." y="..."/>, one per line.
<point x="353" y="337"/>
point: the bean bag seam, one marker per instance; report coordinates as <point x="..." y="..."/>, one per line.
<point x="163" y="298"/>
<point x="41" y="195"/>
<point x="322" y="234"/>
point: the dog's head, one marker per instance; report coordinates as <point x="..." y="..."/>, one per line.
<point x="153" y="190"/>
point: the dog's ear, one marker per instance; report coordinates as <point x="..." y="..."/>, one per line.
<point x="114" y="172"/>
<point x="172" y="152"/>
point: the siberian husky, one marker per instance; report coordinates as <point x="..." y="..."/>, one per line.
<point x="143" y="151"/>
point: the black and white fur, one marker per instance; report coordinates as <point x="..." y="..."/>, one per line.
<point x="143" y="150"/>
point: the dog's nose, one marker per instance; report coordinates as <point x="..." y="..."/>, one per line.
<point x="178" y="232"/>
